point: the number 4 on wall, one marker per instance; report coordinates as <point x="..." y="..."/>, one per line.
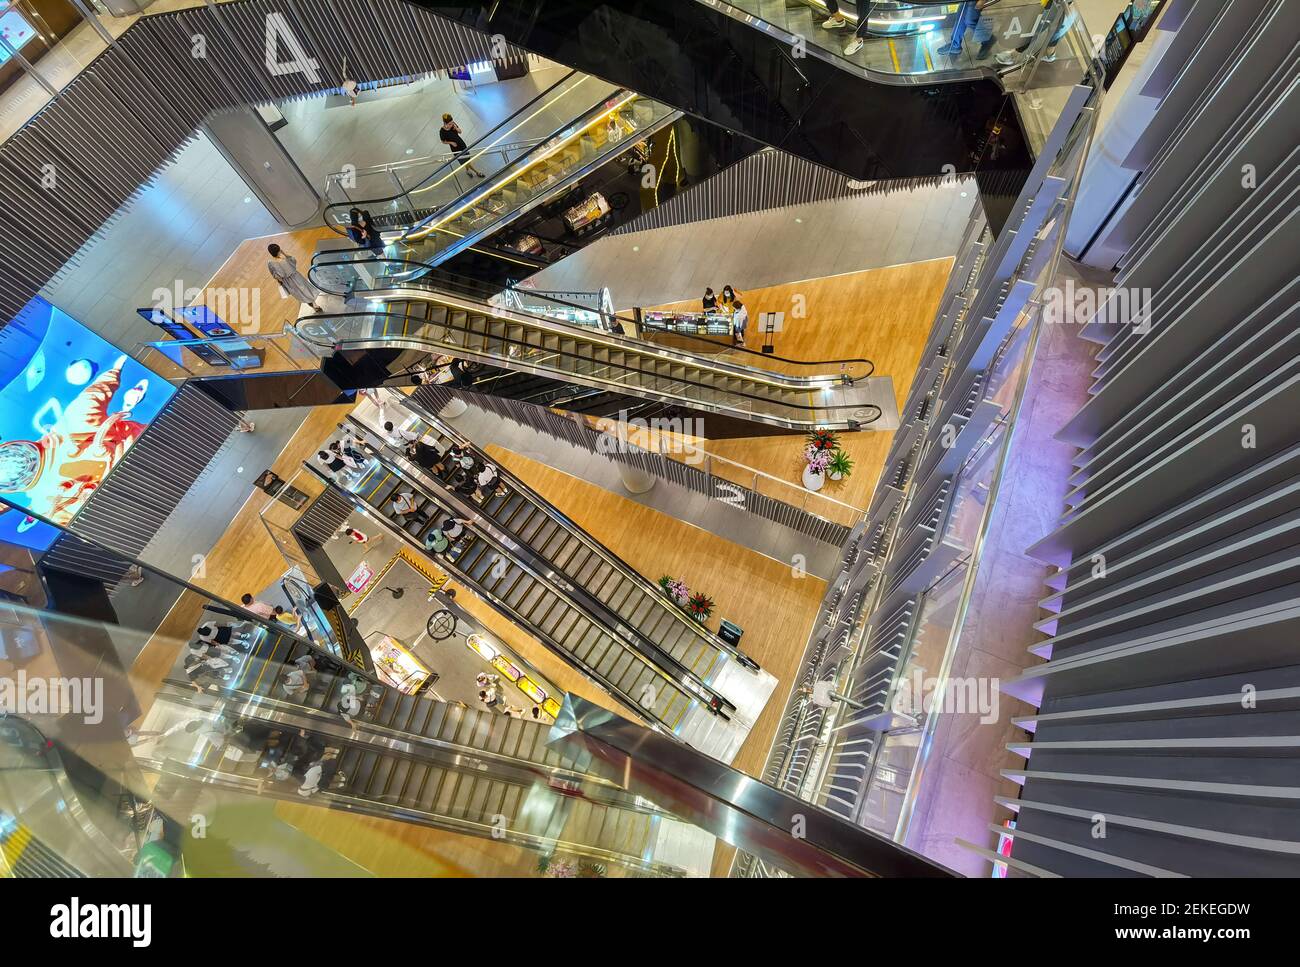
<point x="276" y="28"/>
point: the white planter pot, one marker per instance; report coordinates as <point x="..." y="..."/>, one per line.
<point x="835" y="476"/>
<point x="813" y="481"/>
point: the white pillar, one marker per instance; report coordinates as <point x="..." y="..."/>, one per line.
<point x="635" y="480"/>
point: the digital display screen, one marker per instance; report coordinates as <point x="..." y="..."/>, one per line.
<point x="15" y="29"/>
<point x="71" y="405"/>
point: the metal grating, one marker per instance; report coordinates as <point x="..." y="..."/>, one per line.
<point x="766" y="179"/>
<point x="323" y="517"/>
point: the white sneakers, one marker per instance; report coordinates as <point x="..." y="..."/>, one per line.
<point x="839" y="23"/>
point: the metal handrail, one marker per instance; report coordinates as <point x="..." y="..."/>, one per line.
<point x="453" y="160"/>
<point x="376" y="807"/>
<point x="364" y="342"/>
<point x="605" y="552"/>
<point x="481" y="292"/>
<point x="392" y="166"/>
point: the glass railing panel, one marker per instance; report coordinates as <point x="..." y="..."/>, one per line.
<point x="810" y="403"/>
<point x="613" y="126"/>
<point x="177" y="359"/>
<point x="401" y="194"/>
<point x="905" y="39"/>
<point x="282" y="749"/>
<point x="352" y="273"/>
<point x="917" y="697"/>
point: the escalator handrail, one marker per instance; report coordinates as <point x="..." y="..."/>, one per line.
<point x="485" y="289"/>
<point x="493" y="182"/>
<point x="453" y="160"/>
<point x="497" y="535"/>
<point x="552" y="645"/>
<point x="553" y="514"/>
<point x="830" y="55"/>
<point x="365" y="726"/>
<point x="603" y="550"/>
<point x="76" y="812"/>
<point x="368" y="342"/>
<point x="352" y="803"/>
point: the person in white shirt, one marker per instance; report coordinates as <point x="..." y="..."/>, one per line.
<point x="399" y="436"/>
<point x="739" y="320"/>
<point x="453" y="527"/>
<point x="488" y="478"/>
<point x="404" y="506"/>
<point x="296" y="683"/>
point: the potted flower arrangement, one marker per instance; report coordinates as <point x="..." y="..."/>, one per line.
<point x="814" y="473"/>
<point x="699" y="606"/>
<point x="823" y="440"/>
<point x="675" y="589"/>
<point x="839" y="466"/>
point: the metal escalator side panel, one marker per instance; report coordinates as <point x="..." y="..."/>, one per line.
<point x="521" y="613"/>
<point x="509" y="542"/>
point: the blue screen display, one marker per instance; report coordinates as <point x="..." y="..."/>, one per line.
<point x="71" y="405"/>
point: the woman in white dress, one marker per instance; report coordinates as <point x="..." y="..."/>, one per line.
<point x="284" y="269"/>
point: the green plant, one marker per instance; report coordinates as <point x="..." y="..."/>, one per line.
<point x="840" y="464"/>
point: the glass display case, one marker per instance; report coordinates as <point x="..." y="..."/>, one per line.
<point x="693" y="330"/>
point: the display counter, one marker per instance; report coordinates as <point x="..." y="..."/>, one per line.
<point x="396" y="666"/>
<point x="691" y="331"/>
<point x="588" y="215"/>
<point x="492" y="652"/>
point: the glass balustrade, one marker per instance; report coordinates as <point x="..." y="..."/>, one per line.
<point x="611" y="362"/>
<point x="614" y="125"/>
<point x="179" y="359"/>
<point x="399" y="195"/>
<point x="906" y="40"/>
<point x="357" y="272"/>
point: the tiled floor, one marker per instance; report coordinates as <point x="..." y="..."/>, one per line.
<point x="325" y="133"/>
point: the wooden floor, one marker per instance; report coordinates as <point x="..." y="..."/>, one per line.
<point x="243" y="293"/>
<point x="883" y="315"/>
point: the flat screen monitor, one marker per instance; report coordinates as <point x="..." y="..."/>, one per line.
<point x="71" y="405"/>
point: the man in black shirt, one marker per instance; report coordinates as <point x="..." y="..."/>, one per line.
<point x="425" y="456"/>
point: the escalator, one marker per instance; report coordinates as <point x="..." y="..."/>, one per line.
<point x="899" y="108"/>
<point x="417" y="759"/>
<point x="561" y="171"/>
<point x="399" y="196"/>
<point x="522" y="586"/>
<point x="726" y="382"/>
<point x="442" y="217"/>
<point x="51" y="825"/>
<point x="520" y="514"/>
